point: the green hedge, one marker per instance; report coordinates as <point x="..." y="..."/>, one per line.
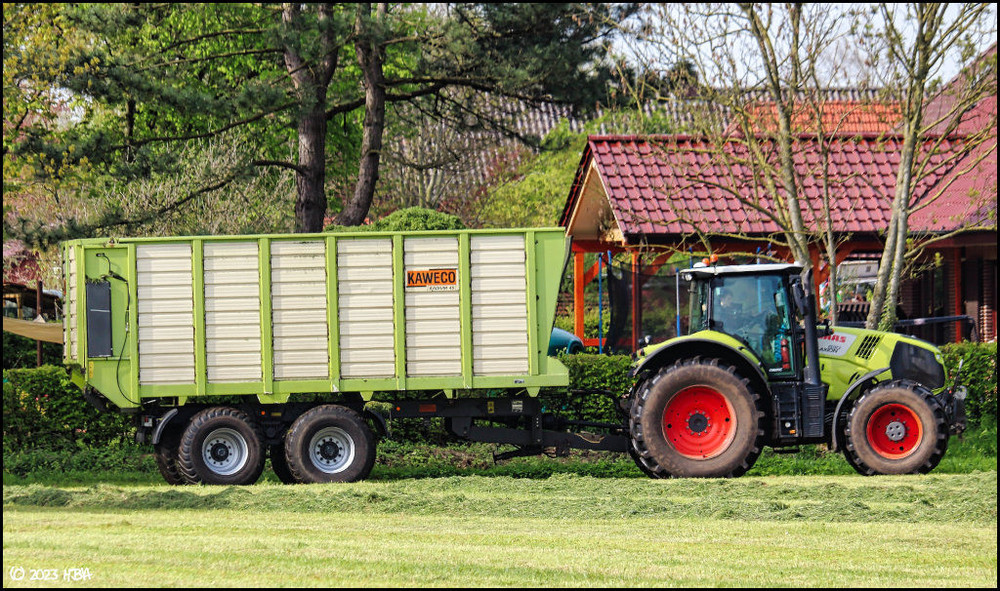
<point x="979" y="374"/>
<point x="42" y="409"/>
<point x="588" y="375"/>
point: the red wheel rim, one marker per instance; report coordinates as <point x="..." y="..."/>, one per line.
<point x="699" y="422"/>
<point x="894" y="431"/>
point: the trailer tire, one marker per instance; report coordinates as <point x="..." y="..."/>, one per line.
<point x="165" y="453"/>
<point x="279" y="464"/>
<point x="221" y="445"/>
<point x="330" y="443"/>
<point x="697" y="418"/>
<point x="896" y="428"/>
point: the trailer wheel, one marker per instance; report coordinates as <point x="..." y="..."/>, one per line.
<point x="165" y="453"/>
<point x="221" y="445"/>
<point x="896" y="428"/>
<point x="697" y="418"/>
<point x="330" y="443"/>
<point x="279" y="464"/>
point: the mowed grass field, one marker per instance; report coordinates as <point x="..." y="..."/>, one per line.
<point x="936" y="530"/>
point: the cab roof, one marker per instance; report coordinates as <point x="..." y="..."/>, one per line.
<point x="725" y="270"/>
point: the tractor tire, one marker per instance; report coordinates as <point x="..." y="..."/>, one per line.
<point x="697" y="418"/>
<point x="279" y="464"/>
<point x="221" y="445"/>
<point x="330" y="443"/>
<point x="165" y="453"/>
<point x="647" y="467"/>
<point x="896" y="428"/>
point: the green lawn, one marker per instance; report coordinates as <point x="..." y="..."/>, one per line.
<point x="827" y="531"/>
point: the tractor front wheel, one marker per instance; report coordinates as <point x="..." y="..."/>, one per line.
<point x="896" y="428"/>
<point x="696" y="418"/>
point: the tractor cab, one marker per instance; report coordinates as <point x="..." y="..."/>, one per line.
<point x="753" y="304"/>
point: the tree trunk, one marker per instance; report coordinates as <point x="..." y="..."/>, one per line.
<point x="310" y="180"/>
<point x="882" y="278"/>
<point x="311" y="84"/>
<point x="371" y="57"/>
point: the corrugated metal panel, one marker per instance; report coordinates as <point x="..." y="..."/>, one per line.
<point x="364" y="279"/>
<point x="499" y="305"/>
<point x="298" y="310"/>
<point x="165" y="308"/>
<point x="232" y="312"/>
<point x="433" y="337"/>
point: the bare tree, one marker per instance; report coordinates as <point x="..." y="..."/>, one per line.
<point x="764" y="64"/>
<point x="907" y="46"/>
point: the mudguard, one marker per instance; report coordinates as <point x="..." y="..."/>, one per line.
<point x="848" y="395"/>
<point x="704" y="344"/>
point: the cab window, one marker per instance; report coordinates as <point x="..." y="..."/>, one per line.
<point x="754" y="309"/>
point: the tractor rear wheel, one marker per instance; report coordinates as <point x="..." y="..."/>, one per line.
<point x="896" y="428"/>
<point x="697" y="418"/>
<point x="646" y="466"/>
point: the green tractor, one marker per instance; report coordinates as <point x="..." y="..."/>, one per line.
<point x="757" y="370"/>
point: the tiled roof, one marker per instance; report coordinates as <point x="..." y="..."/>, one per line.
<point x="968" y="193"/>
<point x="670" y="185"/>
<point x="942" y="106"/>
<point x="839" y="116"/>
<point x="469" y="158"/>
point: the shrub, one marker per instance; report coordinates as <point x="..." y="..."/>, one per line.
<point x="589" y="374"/>
<point x="19" y="352"/>
<point x="409" y="219"/>
<point x="42" y="409"/>
<point x="979" y="374"/>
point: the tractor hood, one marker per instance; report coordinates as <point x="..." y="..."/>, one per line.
<point x="848" y="353"/>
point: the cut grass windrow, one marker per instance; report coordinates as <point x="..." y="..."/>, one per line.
<point x="933" y="498"/>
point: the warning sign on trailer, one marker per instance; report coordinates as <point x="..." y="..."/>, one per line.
<point x="432" y="280"/>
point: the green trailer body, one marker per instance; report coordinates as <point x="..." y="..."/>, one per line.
<point x="272" y="316"/>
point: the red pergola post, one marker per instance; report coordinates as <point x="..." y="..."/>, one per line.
<point x="636" y="300"/>
<point x="578" y="284"/>
<point x="958" y="293"/>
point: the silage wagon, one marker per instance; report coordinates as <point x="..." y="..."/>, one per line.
<point x="439" y="324"/>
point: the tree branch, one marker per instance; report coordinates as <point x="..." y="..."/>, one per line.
<point x="142" y="142"/>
